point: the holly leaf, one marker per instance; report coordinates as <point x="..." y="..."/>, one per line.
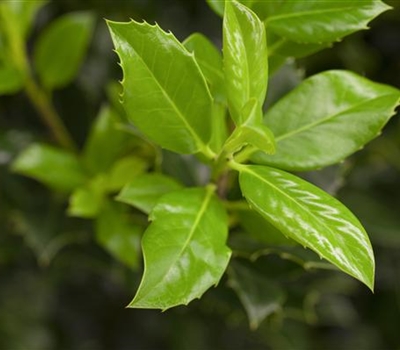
<point x="209" y="59"/>
<point x="56" y="168"/>
<point x="119" y="236"/>
<point x="163" y="86"/>
<point x="252" y="131"/>
<point x="61" y="48"/>
<point x="184" y="249"/>
<point x="105" y="142"/>
<point x="327" y="118"/>
<point x="322" y="21"/>
<point x="144" y="191"/>
<point x="311" y="217"/>
<point x="245" y="58"/>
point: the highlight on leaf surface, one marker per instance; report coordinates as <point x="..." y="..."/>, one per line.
<point x="310" y="216"/>
<point x="245" y="58"/>
<point x="326" y="118"/>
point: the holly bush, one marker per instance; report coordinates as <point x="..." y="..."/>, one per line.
<point x="198" y="162"/>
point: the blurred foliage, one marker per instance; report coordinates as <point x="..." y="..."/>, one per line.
<point x="60" y="290"/>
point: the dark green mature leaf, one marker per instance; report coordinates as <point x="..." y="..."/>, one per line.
<point x="144" y="192"/>
<point x="184" y="249"/>
<point x="105" y="142"/>
<point x="54" y="167"/>
<point x="118" y="235"/>
<point x="326" y="118"/>
<point x="209" y="59"/>
<point x="245" y="58"/>
<point x="163" y="87"/>
<point x="322" y="21"/>
<point x="311" y="217"/>
<point x="260" y="296"/>
<point x="61" y="49"/>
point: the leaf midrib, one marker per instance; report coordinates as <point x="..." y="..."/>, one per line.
<point x="198" y="140"/>
<point x="285" y="16"/>
<point x="326" y="119"/>
<point x="201" y="212"/>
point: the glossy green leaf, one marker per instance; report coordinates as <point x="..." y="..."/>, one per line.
<point x="124" y="171"/>
<point x="322" y="21"/>
<point x="144" y="191"/>
<point x="311" y="217"/>
<point x="105" y="142"/>
<point x="11" y="80"/>
<point x="219" y="127"/>
<point x="209" y="59"/>
<point x="286" y="48"/>
<point x="119" y="236"/>
<point x="54" y="167"/>
<point x="260" y="229"/>
<point x="245" y="58"/>
<point x="184" y="249"/>
<point x="218" y="6"/>
<point x="87" y="201"/>
<point x="260" y="296"/>
<point x="251" y="131"/>
<point x="61" y="49"/>
<point x="326" y="118"/>
<point x="165" y="93"/>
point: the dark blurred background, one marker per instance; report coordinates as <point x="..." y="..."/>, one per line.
<point x="68" y="293"/>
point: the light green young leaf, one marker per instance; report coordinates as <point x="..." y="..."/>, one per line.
<point x="326" y="118"/>
<point x="87" y="201"/>
<point x="54" y="167"/>
<point x="252" y="131"/>
<point x="144" y="191"/>
<point x="209" y="59"/>
<point x="245" y="58"/>
<point x="184" y="249"/>
<point x="218" y="6"/>
<point x="61" y="49"/>
<point x="21" y="14"/>
<point x="311" y="217"/>
<point x="322" y="21"/>
<point x="119" y="236"/>
<point x="105" y="142"/>
<point x="163" y="87"/>
<point x="260" y="296"/>
<point x="124" y="171"/>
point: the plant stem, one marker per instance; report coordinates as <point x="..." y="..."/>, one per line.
<point x="37" y="96"/>
<point x="244" y="155"/>
<point x="48" y="114"/>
